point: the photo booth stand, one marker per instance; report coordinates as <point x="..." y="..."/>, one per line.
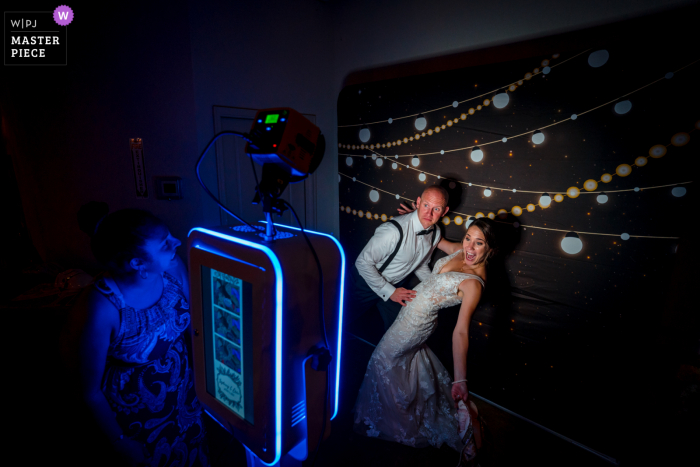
<point x="258" y="339"/>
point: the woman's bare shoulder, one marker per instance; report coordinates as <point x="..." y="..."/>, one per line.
<point x="470" y="285"/>
<point x="97" y="308"/>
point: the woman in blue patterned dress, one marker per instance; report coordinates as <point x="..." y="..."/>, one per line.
<point x="135" y="364"/>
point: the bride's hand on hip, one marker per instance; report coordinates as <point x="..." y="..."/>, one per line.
<point x="460" y="393"/>
<point x="405" y="209"/>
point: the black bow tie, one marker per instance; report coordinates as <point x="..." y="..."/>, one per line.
<point x="424" y="232"/>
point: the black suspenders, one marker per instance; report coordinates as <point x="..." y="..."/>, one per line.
<point x="398" y="245"/>
<point x="396" y="250"/>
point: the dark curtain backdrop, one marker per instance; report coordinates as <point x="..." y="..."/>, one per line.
<point x="556" y="334"/>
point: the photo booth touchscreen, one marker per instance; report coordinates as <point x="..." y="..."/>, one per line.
<point x="227" y="340"/>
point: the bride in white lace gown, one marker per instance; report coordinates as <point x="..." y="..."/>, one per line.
<point x="407" y="395"/>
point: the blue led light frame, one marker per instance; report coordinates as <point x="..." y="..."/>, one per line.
<point x="216" y="252"/>
<point x="278" y="329"/>
<point x="340" y="306"/>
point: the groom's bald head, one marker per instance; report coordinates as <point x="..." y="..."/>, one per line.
<point x="437" y="190"/>
<point x="432" y="205"/>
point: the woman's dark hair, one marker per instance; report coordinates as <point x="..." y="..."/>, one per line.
<point x="90" y="215"/>
<point x="489" y="232"/>
<point x="117" y="238"/>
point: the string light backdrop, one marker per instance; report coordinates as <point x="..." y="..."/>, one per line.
<point x="584" y="161"/>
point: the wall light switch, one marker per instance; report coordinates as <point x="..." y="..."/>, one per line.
<point x="168" y="187"/>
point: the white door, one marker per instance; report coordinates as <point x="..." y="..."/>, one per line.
<point x="236" y="180"/>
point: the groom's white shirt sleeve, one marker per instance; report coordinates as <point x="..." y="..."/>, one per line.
<point x="378" y="249"/>
<point x="414" y="255"/>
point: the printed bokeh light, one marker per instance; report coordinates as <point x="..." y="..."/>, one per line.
<point x="501" y="100"/>
<point x="364" y="134"/>
<point x="571" y="243"/>
<point x="477" y="155"/>
<point x="420" y="122"/>
<point x="545" y="200"/>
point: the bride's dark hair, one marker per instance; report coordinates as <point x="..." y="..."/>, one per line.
<point x="488" y="230"/>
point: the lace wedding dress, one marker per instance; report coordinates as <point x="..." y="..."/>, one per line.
<point x="406" y="394"/>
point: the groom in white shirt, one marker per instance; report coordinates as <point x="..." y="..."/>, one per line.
<point x="396" y="250"/>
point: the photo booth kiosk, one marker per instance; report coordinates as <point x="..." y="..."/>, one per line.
<point x="267" y="306"/>
<point x="256" y="326"/>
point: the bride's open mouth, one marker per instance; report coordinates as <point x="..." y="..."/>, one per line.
<point x="471" y="256"/>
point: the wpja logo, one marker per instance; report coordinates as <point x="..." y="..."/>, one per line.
<point x="36" y="38"/>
